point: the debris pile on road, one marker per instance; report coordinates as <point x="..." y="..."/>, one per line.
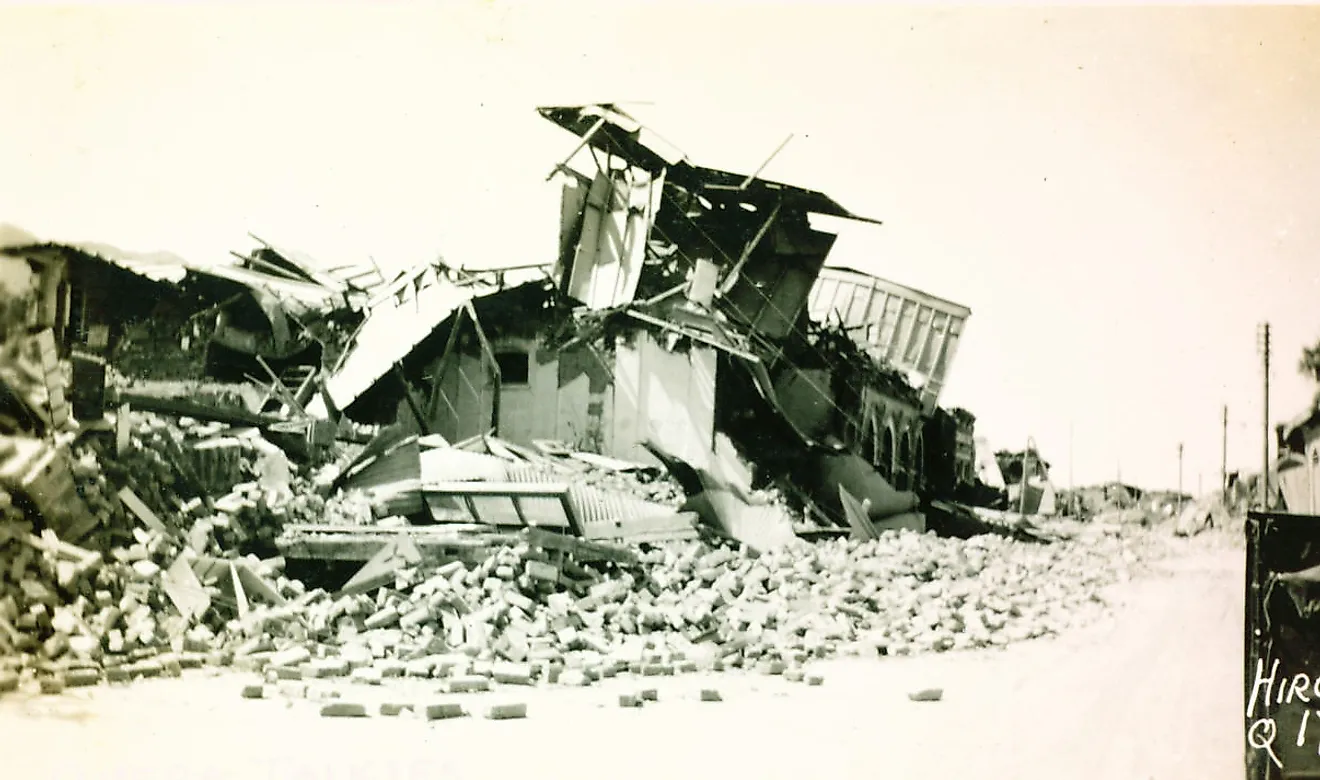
<point x="692" y="605"/>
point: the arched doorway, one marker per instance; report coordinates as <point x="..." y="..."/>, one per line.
<point x="918" y="462"/>
<point x="904" y="462"/>
<point x="885" y="460"/>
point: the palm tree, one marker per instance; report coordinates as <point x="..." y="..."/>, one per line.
<point x="1309" y="365"/>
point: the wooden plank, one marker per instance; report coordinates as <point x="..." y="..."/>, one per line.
<point x="141" y="511"/>
<point x="416" y="531"/>
<point x="549" y="540"/>
<point x="240" y="598"/>
<point x="502" y="489"/>
<point x="855" y="512"/>
<point x="362" y="548"/>
<point x="398" y="553"/>
<point x="681" y="525"/>
<point x="185" y="590"/>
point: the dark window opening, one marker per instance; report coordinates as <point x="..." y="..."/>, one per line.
<point x="515" y="367"/>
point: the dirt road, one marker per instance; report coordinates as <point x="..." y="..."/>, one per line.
<point x="1154" y="692"/>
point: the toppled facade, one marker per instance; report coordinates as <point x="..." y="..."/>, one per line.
<point x="688" y="313"/>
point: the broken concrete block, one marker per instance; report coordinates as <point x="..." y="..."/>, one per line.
<point x="8" y="682"/>
<point x="170" y="666"/>
<point x="630" y="700"/>
<point x="390" y="669"/>
<point x="815" y="680"/>
<point x="772" y="667"/>
<point x="343" y="709"/>
<point x="382" y="619"/>
<point x="509" y="711"/>
<point x="117" y="674"/>
<point x="82" y="678"/>
<point x="508" y="673"/>
<point x="467" y="684"/>
<point x="444" y="711"/>
<point x="148" y="669"/>
<point x="52" y="684"/>
<point x="254" y="691"/>
<point x="710" y="694"/>
<point x="356" y="656"/>
<point x="794" y="675"/>
<point x="331" y="667"/>
<point x="367" y="675"/>
<point x="292" y="690"/>
<point x="292" y="656"/>
<point x="394" y="709"/>
<point x="574" y="678"/>
<point x="649" y="694"/>
<point x="927" y="694"/>
<point x="284" y="672"/>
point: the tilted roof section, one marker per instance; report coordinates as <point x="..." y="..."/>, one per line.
<point x="609" y="129"/>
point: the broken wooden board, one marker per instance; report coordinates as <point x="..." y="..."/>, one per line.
<point x="676" y="526"/>
<point x="185" y="590"/>
<point x="761" y="528"/>
<point x="240" y="598"/>
<point x="360" y="544"/>
<point x="398" y="554"/>
<point x="855" y="512"/>
<point x="141" y="511"/>
<point x="582" y="549"/>
<point x="908" y="521"/>
<point x="511" y="509"/>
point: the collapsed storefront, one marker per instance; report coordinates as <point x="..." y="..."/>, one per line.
<point x="675" y="324"/>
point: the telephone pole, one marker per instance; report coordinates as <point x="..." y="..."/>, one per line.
<point x="1265" y="442"/>
<point x="1180" y="490"/>
<point x="1223" y="459"/>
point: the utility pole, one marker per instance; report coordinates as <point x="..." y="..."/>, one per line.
<point x="1072" y="490"/>
<point x="1223" y="459"/>
<point x="1180" y="490"/>
<point x="1265" y="442"/>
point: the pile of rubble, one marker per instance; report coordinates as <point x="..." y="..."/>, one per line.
<point x="157" y="605"/>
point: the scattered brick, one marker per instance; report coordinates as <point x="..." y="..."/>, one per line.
<point x="510" y="711"/>
<point x="343" y="709"/>
<point x="444" y="711"/>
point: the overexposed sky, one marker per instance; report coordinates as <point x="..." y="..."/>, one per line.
<point x="1119" y="194"/>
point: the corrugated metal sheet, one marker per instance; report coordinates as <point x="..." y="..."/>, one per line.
<point x="615" y="225"/>
<point x="394" y="326"/>
<point x="313" y="295"/>
<point x="915" y="331"/>
<point x="592" y="506"/>
<point x="608" y="128"/>
<point x="157" y="266"/>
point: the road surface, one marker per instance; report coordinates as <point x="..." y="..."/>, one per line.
<point x="1153" y="692"/>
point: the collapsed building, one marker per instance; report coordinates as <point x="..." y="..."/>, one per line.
<point x="1298" y="464"/>
<point x="538" y="465"/>
<point x="689" y="317"/>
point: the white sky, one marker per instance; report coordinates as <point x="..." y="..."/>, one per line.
<point x="1119" y="194"/>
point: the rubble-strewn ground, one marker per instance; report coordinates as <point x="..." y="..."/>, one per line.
<point x="1152" y="692"/>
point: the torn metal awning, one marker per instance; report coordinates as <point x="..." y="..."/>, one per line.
<point x="611" y="130"/>
<point x="721" y="185"/>
<point x="607" y="128"/>
<point x="307" y="293"/>
<point x="162" y="267"/>
<point x="393" y="328"/>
